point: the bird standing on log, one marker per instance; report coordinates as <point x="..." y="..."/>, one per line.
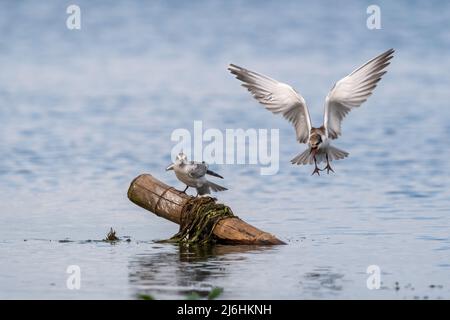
<point x="193" y="174"/>
<point x="348" y="93"/>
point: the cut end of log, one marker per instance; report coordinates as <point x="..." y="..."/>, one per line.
<point x="167" y="202"/>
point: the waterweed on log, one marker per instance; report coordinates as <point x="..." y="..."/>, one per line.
<point x="200" y="216"/>
<point x="219" y="224"/>
<point x="111" y="236"/>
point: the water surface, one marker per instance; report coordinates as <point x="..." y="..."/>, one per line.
<point x="84" y="112"/>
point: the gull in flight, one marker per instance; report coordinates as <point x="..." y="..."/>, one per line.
<point x="348" y="93"/>
<point x="193" y="174"/>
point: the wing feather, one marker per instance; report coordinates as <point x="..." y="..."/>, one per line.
<point x="277" y="97"/>
<point x="352" y="91"/>
<point x="196" y="169"/>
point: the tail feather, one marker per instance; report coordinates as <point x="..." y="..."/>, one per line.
<point x="336" y="154"/>
<point x="303" y="158"/>
<point x="215" y="187"/>
<point x="307" y="157"/>
<point x="207" y="187"/>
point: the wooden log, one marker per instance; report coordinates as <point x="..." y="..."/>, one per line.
<point x="149" y="193"/>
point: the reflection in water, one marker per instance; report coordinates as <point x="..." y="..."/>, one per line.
<point x="322" y="281"/>
<point x="173" y="271"/>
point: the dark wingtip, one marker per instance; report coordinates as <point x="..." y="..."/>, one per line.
<point x="234" y="69"/>
<point x="389" y="53"/>
<point x="212" y="173"/>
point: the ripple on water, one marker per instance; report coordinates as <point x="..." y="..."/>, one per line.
<point x="76" y="128"/>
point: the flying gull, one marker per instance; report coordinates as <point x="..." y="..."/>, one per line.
<point x="348" y="93"/>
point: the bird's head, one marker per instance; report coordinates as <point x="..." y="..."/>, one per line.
<point x="180" y="160"/>
<point x="181" y="157"/>
<point x="315" y="140"/>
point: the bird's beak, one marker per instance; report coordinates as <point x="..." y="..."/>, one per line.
<point x="169" y="167"/>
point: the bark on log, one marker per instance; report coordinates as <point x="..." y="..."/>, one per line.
<point x="149" y="193"/>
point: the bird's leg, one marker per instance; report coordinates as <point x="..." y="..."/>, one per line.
<point x="184" y="191"/>
<point x="328" y="167"/>
<point x="316" y="169"/>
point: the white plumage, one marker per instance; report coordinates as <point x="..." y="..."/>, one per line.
<point x="193" y="174"/>
<point x="348" y="93"/>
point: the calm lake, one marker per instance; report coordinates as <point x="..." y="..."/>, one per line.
<point x="83" y="112"/>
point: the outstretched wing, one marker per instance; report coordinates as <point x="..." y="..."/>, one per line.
<point x="278" y="98"/>
<point x="352" y="91"/>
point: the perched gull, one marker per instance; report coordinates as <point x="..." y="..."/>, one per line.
<point x="193" y="174"/>
<point x="348" y="93"/>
